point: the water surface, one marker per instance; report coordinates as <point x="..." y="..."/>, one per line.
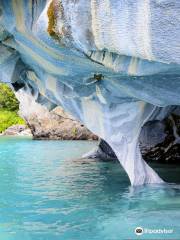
<point x="48" y="193"/>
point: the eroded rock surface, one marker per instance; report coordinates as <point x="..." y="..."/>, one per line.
<point x="159" y="141"/>
<point x="114" y="65"/>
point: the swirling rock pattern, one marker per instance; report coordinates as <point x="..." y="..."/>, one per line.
<point x="159" y="142"/>
<point x="114" y="65"/>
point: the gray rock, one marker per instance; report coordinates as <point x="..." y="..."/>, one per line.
<point x="17" y="130"/>
<point x="51" y="125"/>
<point x="58" y="125"/>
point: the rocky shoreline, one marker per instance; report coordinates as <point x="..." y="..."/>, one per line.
<point x="53" y="124"/>
<point x="159" y="139"/>
<point x="17" y="130"/>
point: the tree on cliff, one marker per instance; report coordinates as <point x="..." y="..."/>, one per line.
<point x="9" y="107"/>
<point x="8" y="100"/>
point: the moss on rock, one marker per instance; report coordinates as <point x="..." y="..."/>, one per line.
<point x="52" y="21"/>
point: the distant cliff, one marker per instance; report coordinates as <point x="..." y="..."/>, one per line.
<point x="51" y="125"/>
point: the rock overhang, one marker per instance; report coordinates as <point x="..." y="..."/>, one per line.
<point x="112" y="73"/>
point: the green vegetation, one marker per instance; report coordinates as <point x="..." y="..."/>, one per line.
<point x="74" y="131"/>
<point x="9" y="118"/>
<point x="8" y="100"/>
<point x="9" y="107"/>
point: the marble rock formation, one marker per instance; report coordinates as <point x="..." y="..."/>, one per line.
<point x="114" y="65"/>
<point x="159" y="142"/>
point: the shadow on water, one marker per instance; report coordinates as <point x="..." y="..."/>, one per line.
<point x="168" y="172"/>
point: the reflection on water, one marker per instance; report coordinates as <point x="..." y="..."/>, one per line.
<point x="47" y="192"/>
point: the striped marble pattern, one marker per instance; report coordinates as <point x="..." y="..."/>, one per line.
<point x="113" y="64"/>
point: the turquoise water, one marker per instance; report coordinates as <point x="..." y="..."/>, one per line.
<point x="46" y="192"/>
